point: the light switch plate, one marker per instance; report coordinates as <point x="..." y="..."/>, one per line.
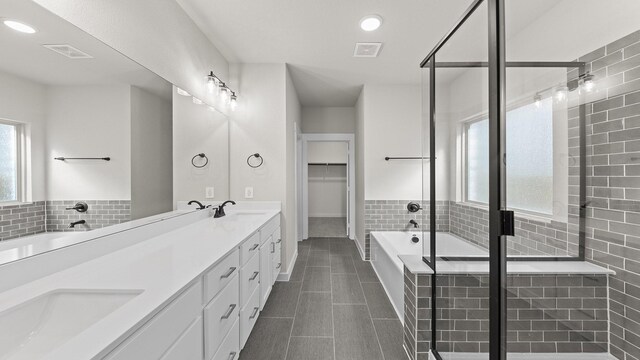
<point x="209" y="193"/>
<point x="248" y="192"/>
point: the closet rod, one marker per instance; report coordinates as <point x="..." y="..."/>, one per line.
<point x="327" y="164"/>
<point x="408" y="158"/>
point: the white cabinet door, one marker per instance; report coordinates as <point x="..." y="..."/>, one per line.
<point x="190" y="346"/>
<point x="265" y="272"/>
<point x="276" y="259"/>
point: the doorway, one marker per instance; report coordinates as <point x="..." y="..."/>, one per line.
<point x="327" y="183"/>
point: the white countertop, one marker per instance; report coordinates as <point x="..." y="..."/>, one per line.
<point x="161" y="266"/>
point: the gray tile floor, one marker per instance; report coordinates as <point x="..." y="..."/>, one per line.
<point x="333" y="307"/>
<point x="327" y="227"/>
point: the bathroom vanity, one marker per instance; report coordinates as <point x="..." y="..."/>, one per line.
<point x="194" y="292"/>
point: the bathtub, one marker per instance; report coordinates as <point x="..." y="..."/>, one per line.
<point x="387" y="245"/>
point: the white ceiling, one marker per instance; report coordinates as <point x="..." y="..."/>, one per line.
<point x="317" y="38"/>
<point x="24" y="56"/>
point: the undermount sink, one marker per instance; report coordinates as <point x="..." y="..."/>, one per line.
<point x="245" y="214"/>
<point x="40" y="325"/>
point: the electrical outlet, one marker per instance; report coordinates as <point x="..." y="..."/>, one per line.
<point x="209" y="193"/>
<point x="248" y="192"/>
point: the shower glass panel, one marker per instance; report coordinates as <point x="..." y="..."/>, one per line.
<point x="459" y="78"/>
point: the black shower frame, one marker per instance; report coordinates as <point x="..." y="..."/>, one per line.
<point x="498" y="212"/>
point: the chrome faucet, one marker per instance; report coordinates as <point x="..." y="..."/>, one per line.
<point x="74" y="223"/>
<point x="220" y="209"/>
<point x="414" y="223"/>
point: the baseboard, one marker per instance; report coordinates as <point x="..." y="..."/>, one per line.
<point x="285" y="276"/>
<point x="360" y="250"/>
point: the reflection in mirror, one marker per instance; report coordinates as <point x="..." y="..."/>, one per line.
<point x="85" y="133"/>
<point x="201" y="151"/>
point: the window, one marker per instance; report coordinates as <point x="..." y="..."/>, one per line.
<point x="10" y="165"/>
<point x="529" y="151"/>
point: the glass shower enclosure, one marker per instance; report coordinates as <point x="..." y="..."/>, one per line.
<point x="521" y="162"/>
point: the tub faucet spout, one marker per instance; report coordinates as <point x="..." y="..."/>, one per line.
<point x="414" y="223"/>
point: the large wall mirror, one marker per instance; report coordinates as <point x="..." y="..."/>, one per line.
<point x="90" y="139"/>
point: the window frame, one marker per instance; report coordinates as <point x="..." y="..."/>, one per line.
<point x="21" y="156"/>
<point x="464" y="160"/>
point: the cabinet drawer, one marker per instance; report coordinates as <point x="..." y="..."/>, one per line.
<point x="190" y="345"/>
<point x="249" y="316"/>
<point x="230" y="348"/>
<point x="157" y="335"/>
<point x="276" y="258"/>
<point x="249" y="248"/>
<point x="269" y="228"/>
<point x="249" y="278"/>
<point x="265" y="272"/>
<point x="220" y="275"/>
<point x="220" y="315"/>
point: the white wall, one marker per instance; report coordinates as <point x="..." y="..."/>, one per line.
<point x="89" y="121"/>
<point x="196" y="129"/>
<point x="151" y="154"/>
<point x="293" y="118"/>
<point x="157" y="34"/>
<point x="327" y="152"/>
<point x="328" y="120"/>
<point x="360" y="166"/>
<point x="24" y="101"/>
<point x="391" y="128"/>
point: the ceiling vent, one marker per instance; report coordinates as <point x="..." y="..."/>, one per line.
<point x="68" y="51"/>
<point x="369" y="50"/>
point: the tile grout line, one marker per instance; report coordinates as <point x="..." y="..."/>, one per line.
<point x="369" y="310"/>
<point x="295" y="311"/>
<point x="333" y="320"/>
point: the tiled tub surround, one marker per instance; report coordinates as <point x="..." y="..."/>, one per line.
<point x="534" y="237"/>
<point x="546" y="313"/>
<point x="613" y="183"/>
<point x="45" y="216"/>
<point x="101" y="213"/>
<point x="392" y="215"/>
<point x="417" y="315"/>
<point x="22" y="220"/>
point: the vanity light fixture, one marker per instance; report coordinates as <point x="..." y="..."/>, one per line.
<point x="213" y="83"/>
<point x="370" y="22"/>
<point x="588" y="83"/>
<point x="224" y="93"/>
<point x="561" y="93"/>
<point x="197" y="101"/>
<point x="234" y="101"/>
<point x="20" y="26"/>
<point x="182" y="92"/>
<point x="537" y="100"/>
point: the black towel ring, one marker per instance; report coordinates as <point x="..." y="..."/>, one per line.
<point x="202" y="156"/>
<point x="257" y="156"/>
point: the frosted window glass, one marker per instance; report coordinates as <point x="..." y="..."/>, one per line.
<point x="478" y="161"/>
<point x="529" y="158"/>
<point x="8" y="163"/>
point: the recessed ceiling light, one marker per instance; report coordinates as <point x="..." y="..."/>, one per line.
<point x="182" y="92"/>
<point x="370" y="22"/>
<point x="19" y="26"/>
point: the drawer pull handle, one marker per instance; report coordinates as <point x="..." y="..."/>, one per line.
<point x="279" y="264"/>
<point x="255" y="312"/>
<point x="255" y="246"/>
<point x="232" y="355"/>
<point x="273" y="247"/>
<point x="254" y="276"/>
<point x="279" y="241"/>
<point x="228" y="273"/>
<point x="229" y="311"/>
